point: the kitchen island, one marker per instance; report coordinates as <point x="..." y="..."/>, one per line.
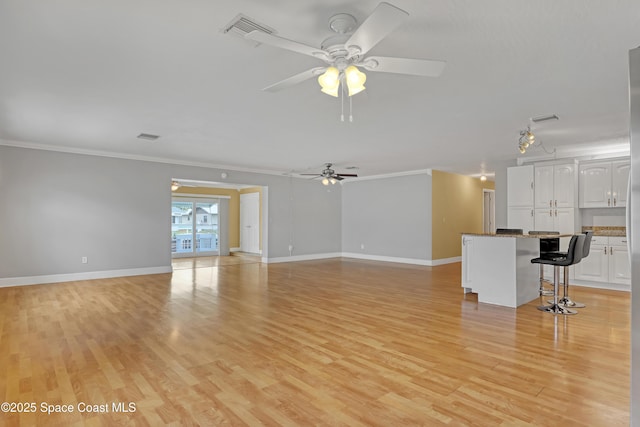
<point x="498" y="267"/>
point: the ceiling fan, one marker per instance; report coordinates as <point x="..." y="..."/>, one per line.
<point x="328" y="175"/>
<point x="345" y="52"/>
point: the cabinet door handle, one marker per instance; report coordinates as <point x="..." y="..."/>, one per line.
<point x="556" y="203"/>
<point x="611" y="250"/>
<point x="550" y="212"/>
<point x="609" y="202"/>
<point x="550" y="203"/>
<point x="605" y="250"/>
<point x="614" y="201"/>
<point x="532" y="212"/>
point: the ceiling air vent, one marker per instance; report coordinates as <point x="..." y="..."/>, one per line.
<point x="242" y="24"/>
<point x="148" y="136"/>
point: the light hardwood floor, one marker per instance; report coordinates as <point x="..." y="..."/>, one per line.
<point x="331" y="342"/>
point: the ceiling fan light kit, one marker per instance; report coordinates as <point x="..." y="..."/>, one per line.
<point x="344" y="52"/>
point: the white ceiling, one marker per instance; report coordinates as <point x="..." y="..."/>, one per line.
<point x="90" y="75"/>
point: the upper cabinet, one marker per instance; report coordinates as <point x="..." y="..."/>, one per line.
<point x="520" y="186"/>
<point x="555" y="186"/>
<point x="620" y="181"/>
<point x="604" y="184"/>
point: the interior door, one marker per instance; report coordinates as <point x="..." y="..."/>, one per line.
<point x="250" y="222"/>
<point x="488" y="211"/>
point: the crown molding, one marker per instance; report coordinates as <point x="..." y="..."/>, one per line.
<point x="125" y="156"/>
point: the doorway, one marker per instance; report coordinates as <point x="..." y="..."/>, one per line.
<point x="488" y="211"/>
<point x="194" y="227"/>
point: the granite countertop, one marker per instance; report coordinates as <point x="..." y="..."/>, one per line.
<point x="606" y="230"/>
<point x="521" y="236"/>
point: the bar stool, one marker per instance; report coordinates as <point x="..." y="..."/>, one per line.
<point x="546" y="245"/>
<point x="573" y="256"/>
<point x="565" y="301"/>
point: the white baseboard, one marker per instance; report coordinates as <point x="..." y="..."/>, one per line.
<point x="89" y="275"/>
<point x="293" y="258"/>
<point x="382" y="258"/>
<point x="444" y="261"/>
<point x="414" y="261"/>
<point x="601" y="285"/>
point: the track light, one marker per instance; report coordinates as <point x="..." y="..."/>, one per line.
<point x="527" y="138"/>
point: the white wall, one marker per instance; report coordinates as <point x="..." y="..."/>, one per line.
<point x="57" y="207"/>
<point x="391" y="217"/>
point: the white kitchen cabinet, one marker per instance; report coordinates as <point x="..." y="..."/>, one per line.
<point x="562" y="220"/>
<point x="619" y="268"/>
<point x="619" y="182"/>
<point x="520" y="186"/>
<point x="521" y="218"/>
<point x="608" y="262"/>
<point x="603" y="184"/>
<point x="555" y="186"/>
<point x="595" y="266"/>
<point x="520" y="197"/>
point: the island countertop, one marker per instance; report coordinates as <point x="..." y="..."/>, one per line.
<point x="520" y="236"/>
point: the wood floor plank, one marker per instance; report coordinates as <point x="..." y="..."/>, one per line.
<point x="329" y="342"/>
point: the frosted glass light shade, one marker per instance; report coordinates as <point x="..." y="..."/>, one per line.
<point x="329" y="81"/>
<point x="355" y="79"/>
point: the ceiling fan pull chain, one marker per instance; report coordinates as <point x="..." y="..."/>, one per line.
<point x="350" y="109"/>
<point x="342" y="103"/>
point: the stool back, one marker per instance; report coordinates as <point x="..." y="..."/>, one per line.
<point x="587" y="243"/>
<point x="575" y="250"/>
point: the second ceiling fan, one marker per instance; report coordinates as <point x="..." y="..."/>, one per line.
<point x="344" y="53"/>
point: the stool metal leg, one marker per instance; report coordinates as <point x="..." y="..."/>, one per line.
<point x="542" y="290"/>
<point x="565" y="301"/>
<point x="556" y="308"/>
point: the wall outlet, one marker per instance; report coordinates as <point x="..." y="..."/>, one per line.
<point x="361" y="245"/>
<point x="84" y="260"/>
<point x="290" y="248"/>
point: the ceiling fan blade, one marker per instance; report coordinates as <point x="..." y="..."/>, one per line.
<point x="287" y="44"/>
<point x="417" y="67"/>
<point x="348" y="174"/>
<point x="294" y="80"/>
<point x="383" y="20"/>
<point x="310" y="174"/>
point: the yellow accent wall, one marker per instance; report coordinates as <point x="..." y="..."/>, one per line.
<point x="456" y="204"/>
<point x="234" y="207"/>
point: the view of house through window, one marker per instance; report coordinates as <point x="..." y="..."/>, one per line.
<point x="194" y="227"/>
